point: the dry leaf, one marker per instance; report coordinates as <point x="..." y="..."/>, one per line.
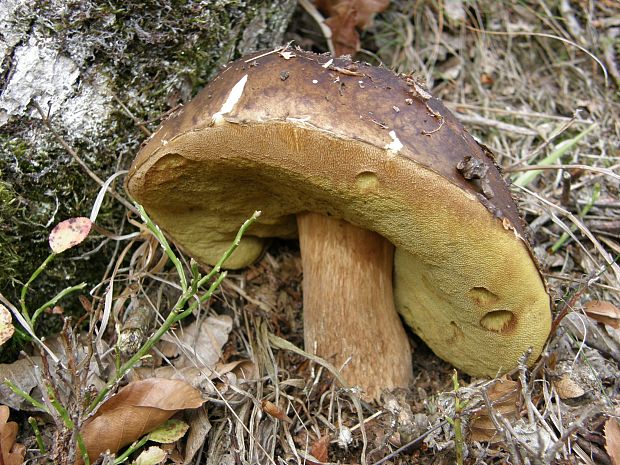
<point x="612" y="440"/>
<point x="203" y="341"/>
<point x="198" y="431"/>
<point x="6" y="324"/>
<point x="603" y="312"/>
<point x="22" y="373"/>
<point x="273" y="410"/>
<point x="455" y="10"/>
<point x="345" y="37"/>
<point x="152" y="456"/>
<point x="134" y="411"/>
<point x="69" y="233"/>
<point x="169" y="432"/>
<point x="239" y="370"/>
<point x="504" y="397"/>
<point x="568" y="388"/>
<point x="343" y="18"/>
<point x="232" y="374"/>
<point x="320" y="449"/>
<point x="11" y="453"/>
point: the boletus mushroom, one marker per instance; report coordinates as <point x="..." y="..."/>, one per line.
<point x="396" y="207"/>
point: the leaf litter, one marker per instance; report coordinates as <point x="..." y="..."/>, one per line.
<point x="135" y="410"/>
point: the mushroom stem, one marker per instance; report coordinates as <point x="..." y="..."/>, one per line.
<point x="349" y="305"/>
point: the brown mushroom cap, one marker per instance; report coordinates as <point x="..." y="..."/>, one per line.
<point x="288" y="132"/>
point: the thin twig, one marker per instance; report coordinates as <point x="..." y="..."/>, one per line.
<point x="81" y="162"/>
<point x="605" y="171"/>
<point x="575" y="425"/>
<point x="411" y="443"/>
<point x="136" y="120"/>
<point x="548" y="36"/>
<point x="481" y="120"/>
<point x="320" y="21"/>
<point x="585" y="231"/>
<point x="454" y="106"/>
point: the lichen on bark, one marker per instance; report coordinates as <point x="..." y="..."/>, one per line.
<point x="73" y="59"/>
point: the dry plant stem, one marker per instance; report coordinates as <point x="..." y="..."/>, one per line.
<point x="79" y="161"/>
<point x="320" y="21"/>
<point x="493" y="415"/>
<point x="348" y="303"/>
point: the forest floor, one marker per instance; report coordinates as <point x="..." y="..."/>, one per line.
<point x="538" y="84"/>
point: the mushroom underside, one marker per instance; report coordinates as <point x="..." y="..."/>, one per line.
<point x="462" y="280"/>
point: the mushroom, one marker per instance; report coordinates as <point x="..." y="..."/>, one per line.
<point x="396" y="208"/>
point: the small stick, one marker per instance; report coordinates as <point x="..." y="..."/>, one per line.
<point x="81" y="162"/>
<point x="136" y="121"/>
<point x="320" y="21"/>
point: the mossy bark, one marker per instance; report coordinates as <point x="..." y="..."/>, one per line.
<point x="75" y="59"/>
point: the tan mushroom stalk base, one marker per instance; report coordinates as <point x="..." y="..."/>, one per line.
<point x="349" y="313"/>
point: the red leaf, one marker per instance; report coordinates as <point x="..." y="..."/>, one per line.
<point x="69" y="233"/>
<point x="320" y="448"/>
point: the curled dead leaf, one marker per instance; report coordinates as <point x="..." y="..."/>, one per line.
<point x="203" y="341"/>
<point x="273" y="410"/>
<point x="603" y="312"/>
<point x="11" y="452"/>
<point x="152" y="456"/>
<point x="134" y="411"/>
<point x="69" y="233"/>
<point x="6" y="324"/>
<point x="504" y="397"/>
<point x="198" y="432"/>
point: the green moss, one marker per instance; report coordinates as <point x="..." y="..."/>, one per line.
<point x="39" y="188"/>
<point x="9" y="259"/>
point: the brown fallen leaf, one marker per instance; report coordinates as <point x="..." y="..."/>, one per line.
<point x="203" y="341"/>
<point x="504" y="397"/>
<point x="320" y="449"/>
<point x="69" y="233"/>
<point x="11" y="452"/>
<point x="612" y="440"/>
<point x="198" y="430"/>
<point x="134" y="411"/>
<point x="344" y="16"/>
<point x="568" y="388"/>
<point x="273" y="410"/>
<point x="21" y="373"/>
<point x="603" y="312"/>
